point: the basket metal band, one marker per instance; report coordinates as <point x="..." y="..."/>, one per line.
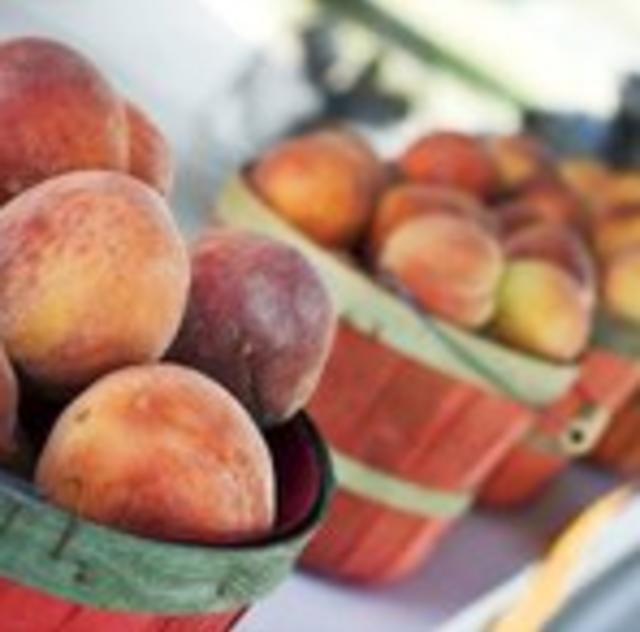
<point x="579" y="438"/>
<point x="384" y="488"/>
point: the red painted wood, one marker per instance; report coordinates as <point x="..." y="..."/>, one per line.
<point x="381" y="408"/>
<point x="24" y="609"/>
<point x="605" y="380"/>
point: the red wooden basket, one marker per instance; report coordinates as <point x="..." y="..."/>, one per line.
<point x="418" y="414"/>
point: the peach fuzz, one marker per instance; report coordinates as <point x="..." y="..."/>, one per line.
<point x="451" y="159"/>
<point x="407" y="201"/>
<point x="541" y="310"/>
<point x="316" y="184"/>
<point x="620" y="286"/>
<point x="162" y="452"/>
<point x="259" y="320"/>
<point x="519" y="159"/>
<point x="93" y="276"/>
<point x="448" y="265"/>
<point x="558" y="245"/>
<point x="57" y="114"/>
<point x="616" y="229"/>
<point x="150" y="157"/>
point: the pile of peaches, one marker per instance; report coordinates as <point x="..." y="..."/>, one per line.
<point x="494" y="234"/>
<point x="139" y="378"/>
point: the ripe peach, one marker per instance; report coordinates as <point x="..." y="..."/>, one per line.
<point x="588" y="178"/>
<point x="259" y="320"/>
<point x="451" y="159"/>
<point x="371" y="168"/>
<point x="406" y="201"/>
<point x="150" y="157"/>
<point x="163" y="452"/>
<point x="616" y="229"/>
<point x="449" y="265"/>
<point x="519" y="159"/>
<point x="93" y="276"/>
<point x="318" y="185"/>
<point x="57" y="114"/>
<point x="620" y="285"/>
<point x="544" y="201"/>
<point x="623" y="189"/>
<point x="8" y="408"/>
<point x="558" y="245"/>
<point x="541" y="309"/>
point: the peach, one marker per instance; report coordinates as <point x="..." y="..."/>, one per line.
<point x="57" y="114"/>
<point x="451" y="159"/>
<point x="8" y="408"/>
<point x="616" y="229"/>
<point x="623" y="189"/>
<point x="558" y="245"/>
<point x="94" y="276"/>
<point x="448" y="265"/>
<point x="620" y="285"/>
<point x="406" y="201"/>
<point x="259" y="320"/>
<point x="519" y="159"/>
<point x="541" y="310"/>
<point x="150" y="157"/>
<point x="543" y="201"/>
<point x="588" y="178"/>
<point x="317" y="184"/>
<point x="163" y="452"/>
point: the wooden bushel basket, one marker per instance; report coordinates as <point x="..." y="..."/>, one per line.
<point x="418" y="413"/>
<point x="579" y="423"/>
<point x="619" y="450"/>
<point x="64" y="573"/>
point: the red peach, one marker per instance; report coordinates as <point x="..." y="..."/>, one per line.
<point x="162" y="452"/>
<point x="93" y="276"/>
<point x="451" y="159"/>
<point x="57" y="114"/>
<point x="150" y="157"/>
<point x="449" y="265"/>
<point x="259" y="320"/>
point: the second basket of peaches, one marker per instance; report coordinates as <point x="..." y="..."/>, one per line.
<point x="467" y="294"/>
<point x="153" y="384"/>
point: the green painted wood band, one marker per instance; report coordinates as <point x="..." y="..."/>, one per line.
<point x="578" y="439"/>
<point x="381" y="487"/>
<point x="376" y="312"/>
<point x="48" y="549"/>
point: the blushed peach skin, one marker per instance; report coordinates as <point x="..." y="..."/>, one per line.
<point x="519" y="159"/>
<point x="541" y="310"/>
<point x="150" y="157"/>
<point x="451" y="159"/>
<point x="315" y="184"/>
<point x="57" y="114"/>
<point x="616" y="229"/>
<point x="259" y="320"/>
<point x="620" y="286"/>
<point x="407" y="201"/>
<point x="558" y="245"/>
<point x="93" y="276"/>
<point x="588" y="178"/>
<point x="450" y="266"/>
<point x="162" y="452"/>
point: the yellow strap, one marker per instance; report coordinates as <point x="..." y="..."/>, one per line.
<point x="551" y="584"/>
<point x="389" y="490"/>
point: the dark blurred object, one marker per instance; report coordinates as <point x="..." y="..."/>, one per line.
<point x="623" y="149"/>
<point x="569" y="134"/>
<point x="364" y="99"/>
